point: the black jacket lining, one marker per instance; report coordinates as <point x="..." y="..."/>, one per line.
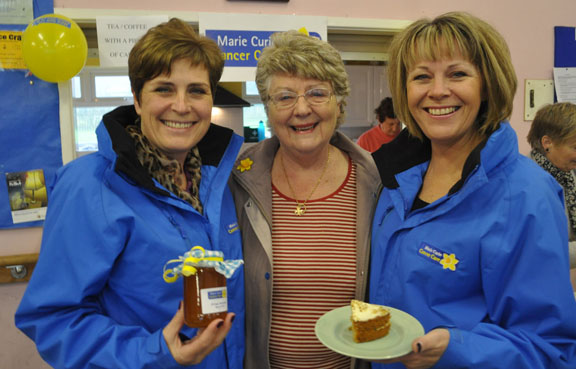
<point x="406" y="151"/>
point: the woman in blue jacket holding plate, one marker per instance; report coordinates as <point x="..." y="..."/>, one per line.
<point x="156" y="188"/>
<point x="469" y="236"/>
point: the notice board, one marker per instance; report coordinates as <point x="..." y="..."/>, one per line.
<point x="30" y="146"/>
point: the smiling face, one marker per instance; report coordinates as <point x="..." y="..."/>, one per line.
<point x="176" y="109"/>
<point x="303" y="128"/>
<point x="444" y="97"/>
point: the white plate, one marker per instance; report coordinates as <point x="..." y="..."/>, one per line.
<point x="333" y="330"/>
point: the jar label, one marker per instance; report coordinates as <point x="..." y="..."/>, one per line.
<point x="214" y="300"/>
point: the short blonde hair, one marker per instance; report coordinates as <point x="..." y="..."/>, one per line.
<point x="154" y="53"/>
<point x="444" y="36"/>
<point x="557" y="121"/>
<point x="300" y="55"/>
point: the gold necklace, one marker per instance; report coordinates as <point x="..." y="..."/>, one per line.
<point x="301" y="206"/>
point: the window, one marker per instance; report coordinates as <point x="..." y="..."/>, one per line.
<point x="112" y="87"/>
<point x="95" y="92"/>
<point x="255" y="121"/>
<point x="250" y="89"/>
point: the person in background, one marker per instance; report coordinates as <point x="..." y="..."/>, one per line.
<point x="304" y="198"/>
<point x="469" y="236"/>
<point x="386" y="130"/>
<point x="155" y="188"/>
<point x="553" y="140"/>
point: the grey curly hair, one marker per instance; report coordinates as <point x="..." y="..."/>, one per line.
<point x="300" y="55"/>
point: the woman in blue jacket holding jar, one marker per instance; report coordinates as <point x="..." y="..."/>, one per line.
<point x="469" y="236"/>
<point x="156" y="188"/>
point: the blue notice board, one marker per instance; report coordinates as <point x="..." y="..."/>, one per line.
<point x="564" y="47"/>
<point x="30" y="146"/>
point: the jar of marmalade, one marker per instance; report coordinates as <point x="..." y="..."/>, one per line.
<point x="205" y="292"/>
<point x="205" y="297"/>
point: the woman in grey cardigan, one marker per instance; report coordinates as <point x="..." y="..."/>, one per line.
<point x="553" y="140"/>
<point x="305" y="199"/>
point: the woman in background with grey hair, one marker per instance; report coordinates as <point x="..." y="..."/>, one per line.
<point x="304" y="198"/>
<point x="553" y="140"/>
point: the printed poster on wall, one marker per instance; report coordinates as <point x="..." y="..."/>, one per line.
<point x="565" y="84"/>
<point x="11" y="50"/>
<point x="27" y="195"/>
<point x="117" y="35"/>
<point x="241" y="37"/>
<point x="16" y="11"/>
<point x="565" y="63"/>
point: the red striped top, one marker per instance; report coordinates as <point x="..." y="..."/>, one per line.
<point x="314" y="272"/>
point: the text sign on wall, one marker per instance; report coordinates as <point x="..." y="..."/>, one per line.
<point x="117" y="36"/>
<point x="11" y="50"/>
<point x="243" y="48"/>
<point x="241" y="37"/>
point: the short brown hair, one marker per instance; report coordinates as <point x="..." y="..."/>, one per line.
<point x="167" y="42"/>
<point x="446" y="35"/>
<point x="300" y="55"/>
<point x="557" y="121"/>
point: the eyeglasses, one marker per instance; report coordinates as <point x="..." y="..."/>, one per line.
<point x="314" y="96"/>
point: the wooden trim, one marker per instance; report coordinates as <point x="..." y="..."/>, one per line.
<point x="26" y="260"/>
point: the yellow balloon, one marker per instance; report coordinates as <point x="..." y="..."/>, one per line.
<point x="54" y="48"/>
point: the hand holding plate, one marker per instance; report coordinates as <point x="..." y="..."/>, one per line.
<point x="427" y="350"/>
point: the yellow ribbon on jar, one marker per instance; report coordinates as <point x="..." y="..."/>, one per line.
<point x="198" y="257"/>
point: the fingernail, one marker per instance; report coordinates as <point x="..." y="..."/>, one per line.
<point x="220" y="324"/>
<point x="419" y="346"/>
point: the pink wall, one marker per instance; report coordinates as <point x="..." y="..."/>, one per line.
<point x="526" y="25"/>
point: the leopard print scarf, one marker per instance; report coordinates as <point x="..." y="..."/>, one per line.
<point x="168" y="171"/>
<point x="566" y="180"/>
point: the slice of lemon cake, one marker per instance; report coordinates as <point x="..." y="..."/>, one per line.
<point x="369" y="321"/>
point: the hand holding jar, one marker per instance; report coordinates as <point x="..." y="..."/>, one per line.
<point x="205" y="293"/>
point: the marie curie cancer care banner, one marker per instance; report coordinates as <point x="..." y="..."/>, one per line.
<point x="241" y="37"/>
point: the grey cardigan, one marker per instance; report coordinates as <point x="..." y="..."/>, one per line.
<point x="252" y="191"/>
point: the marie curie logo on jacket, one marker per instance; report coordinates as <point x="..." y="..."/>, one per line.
<point x="232" y="227"/>
<point x="435" y="255"/>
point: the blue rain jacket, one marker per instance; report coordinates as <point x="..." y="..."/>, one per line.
<point x="489" y="260"/>
<point x="97" y="298"/>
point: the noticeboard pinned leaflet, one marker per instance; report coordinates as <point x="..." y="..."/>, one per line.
<point x="565" y="63"/>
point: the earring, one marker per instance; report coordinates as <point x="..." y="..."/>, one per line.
<point x="547" y="149"/>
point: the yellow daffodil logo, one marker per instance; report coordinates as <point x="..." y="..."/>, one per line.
<point x="304" y="31"/>
<point x="245" y="164"/>
<point x="449" y="262"/>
